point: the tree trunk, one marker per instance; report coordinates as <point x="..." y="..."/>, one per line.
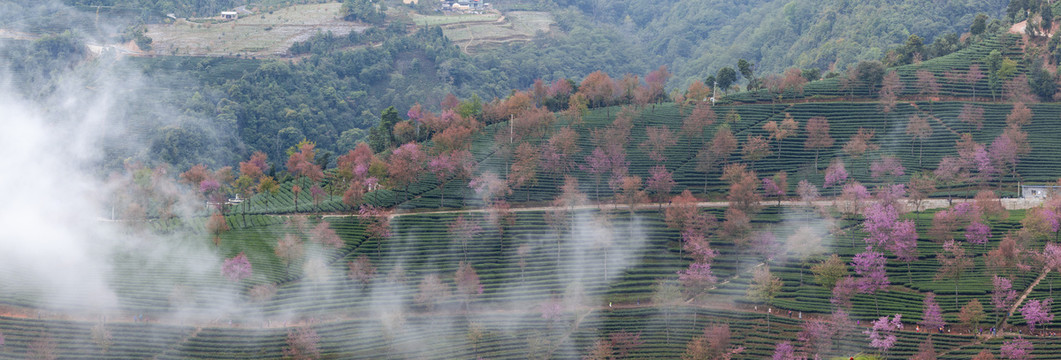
<point x="558" y="252"/>
<point x="666" y="316"/>
<point x="442" y="195"/>
<point x="605" y="265"/>
<point x="909" y="274"/>
<point x="920" y="151"/>
<point x="596" y="190"/>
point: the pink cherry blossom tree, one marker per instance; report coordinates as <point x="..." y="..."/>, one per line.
<point x="977" y="233"/>
<point x="236" y="268"/>
<point x="602" y="161"/>
<point x="1037" y="312"/>
<point x="660" y="182"/>
<point x="954" y="262"/>
<point x="468" y="284"/>
<point x="1002" y="295"/>
<point x="361" y="270"/>
<point x="464" y="230"/>
<point x="659" y="139"/>
<point x="887" y="167"/>
<point x="869" y="265"/>
<point x="489" y="187"/>
<point x="882" y="334"/>
<point x="765" y="245"/>
<point x="949" y="171"/>
<point x="302" y="344"/>
<point x="1017" y="349"/>
<point x="844" y="289"/>
<point x="697" y="278"/>
<point x="552" y="309"/>
<point x="449" y="166"/>
<point x="835" y="174"/>
<point x="776" y="186"/>
<point x="817" y="335"/>
<point x="807" y="192"/>
<point x="932" y="317"/>
<point x="1004" y="154"/>
<point x="324" y="234"/>
<point x="1051" y="259"/>
<point x="405" y="165"/>
<point x="886" y="231"/>
<point x="377" y="225"/>
<point x="698" y="247"/>
<point x="785" y="351"/>
<point x="853" y="197"/>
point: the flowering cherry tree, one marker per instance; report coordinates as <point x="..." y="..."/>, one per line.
<point x="954" y="262"/>
<point x="302" y="344"/>
<point x="1037" y="312"/>
<point x="1017" y="349"/>
<point x="785" y="351"/>
<point x="697" y="277"/>
<point x="977" y="233"/>
<point x="468" y="283"/>
<point x="236" y="268"/>
<point x="933" y="316"/>
<point x="817" y="335"/>
<point x="869" y="265"/>
<point x="1003" y="295"/>
<point x="844" y="289"/>
<point x="886" y="231"/>
<point x="882" y="334"/>
<point x="888" y="167"/>
<point x="361" y="270"/>
<point x="324" y="234"/>
<point x="835" y="174"/>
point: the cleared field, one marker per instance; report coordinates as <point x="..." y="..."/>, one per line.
<point x="271" y="34"/>
<point x="513" y="26"/>
<point x="432" y="20"/>
<point x="258" y="35"/>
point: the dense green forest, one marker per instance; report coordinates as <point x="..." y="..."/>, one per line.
<point x="696" y="38"/>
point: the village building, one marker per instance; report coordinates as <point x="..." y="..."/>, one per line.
<point x="229" y="15"/>
<point x="1038" y="191"/>
<point x="465" y="5"/>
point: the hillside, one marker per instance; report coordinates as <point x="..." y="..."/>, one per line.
<point x="372" y="67"/>
<point x="239" y="208"/>
<point x="819" y="99"/>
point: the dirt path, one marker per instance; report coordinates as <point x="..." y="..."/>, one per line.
<point x="1009" y="204"/>
<point x="1018" y="28"/>
<point x="1023" y="296"/>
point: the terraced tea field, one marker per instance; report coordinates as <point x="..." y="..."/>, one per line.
<point x="616" y="282"/>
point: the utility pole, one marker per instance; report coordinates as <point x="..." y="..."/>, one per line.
<point x="714" y="92"/>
